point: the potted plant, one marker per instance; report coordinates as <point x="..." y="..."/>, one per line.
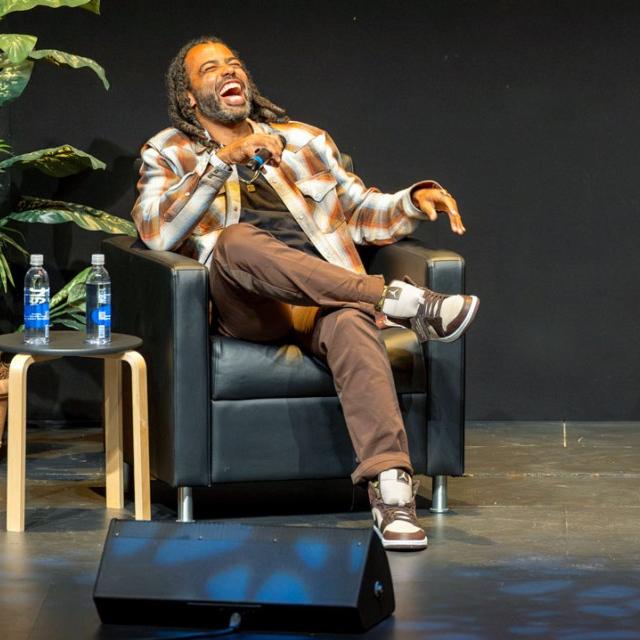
<point x="18" y="56"/>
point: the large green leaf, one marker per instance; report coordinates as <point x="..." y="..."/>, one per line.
<point x="73" y="291"/>
<point x="60" y="57"/>
<point x="56" y="212"/>
<point x="13" y="79"/>
<point x="70" y="324"/>
<point x="57" y="161"/>
<point x="77" y="312"/>
<point x="5" y="273"/>
<point x="16" y="46"/>
<point x="6" y="277"/>
<point x="7" y="6"/>
<point x="5" y="238"/>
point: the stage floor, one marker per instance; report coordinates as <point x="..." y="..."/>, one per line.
<point x="542" y="540"/>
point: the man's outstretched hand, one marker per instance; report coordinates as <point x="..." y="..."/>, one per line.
<point x="432" y="201"/>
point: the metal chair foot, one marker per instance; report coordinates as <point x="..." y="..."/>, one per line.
<point x="439" y="496"/>
<point x="185" y="504"/>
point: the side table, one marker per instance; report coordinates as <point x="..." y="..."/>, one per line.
<point x="71" y="343"/>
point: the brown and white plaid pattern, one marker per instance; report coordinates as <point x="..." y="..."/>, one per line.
<point x="187" y="196"/>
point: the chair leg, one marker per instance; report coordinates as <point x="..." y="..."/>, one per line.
<point x="439" y="497"/>
<point x="17" y="441"/>
<point x="140" y="427"/>
<point x="185" y="504"/>
<point x="114" y="466"/>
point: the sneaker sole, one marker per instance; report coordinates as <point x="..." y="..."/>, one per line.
<point x="423" y="335"/>
<point x="401" y="545"/>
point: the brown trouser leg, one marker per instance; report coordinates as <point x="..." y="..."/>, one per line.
<point x="264" y="290"/>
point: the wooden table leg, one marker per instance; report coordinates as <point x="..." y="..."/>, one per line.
<point x="17" y="441"/>
<point x="140" y="428"/>
<point x="114" y="465"/>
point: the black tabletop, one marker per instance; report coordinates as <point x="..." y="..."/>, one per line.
<point x="68" y="343"/>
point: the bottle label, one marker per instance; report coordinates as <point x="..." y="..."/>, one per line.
<point x="36" y="308"/>
<point x="101" y="317"/>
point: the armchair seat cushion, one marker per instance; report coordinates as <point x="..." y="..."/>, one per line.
<point x="250" y="370"/>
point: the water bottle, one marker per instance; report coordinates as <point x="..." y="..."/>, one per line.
<point x="36" y="302"/>
<point x="98" y="290"/>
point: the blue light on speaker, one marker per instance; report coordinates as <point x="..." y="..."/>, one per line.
<point x="313" y="552"/>
<point x="178" y="551"/>
<point x="129" y="546"/>
<point x="231" y="584"/>
<point x="356" y="556"/>
<point x="283" y="587"/>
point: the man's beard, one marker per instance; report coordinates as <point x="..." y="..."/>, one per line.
<point x="210" y="106"/>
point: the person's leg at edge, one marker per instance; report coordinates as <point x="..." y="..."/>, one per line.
<point x="254" y="281"/>
<point x="351" y="344"/>
<point x="247" y="260"/>
<point x="254" y="278"/>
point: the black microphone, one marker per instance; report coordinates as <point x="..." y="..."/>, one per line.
<point x="262" y="156"/>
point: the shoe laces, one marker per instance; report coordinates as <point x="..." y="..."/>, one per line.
<point x="406" y="513"/>
<point x="391" y="512"/>
<point x="433" y="303"/>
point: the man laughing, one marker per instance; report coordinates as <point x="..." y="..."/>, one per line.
<point x="279" y="241"/>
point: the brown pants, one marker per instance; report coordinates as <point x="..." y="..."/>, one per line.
<point x="265" y="291"/>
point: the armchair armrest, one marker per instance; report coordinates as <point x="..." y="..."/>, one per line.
<point x="439" y="269"/>
<point x="163" y="298"/>
<point x="442" y="271"/>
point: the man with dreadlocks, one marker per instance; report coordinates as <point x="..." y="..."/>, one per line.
<point x="280" y="247"/>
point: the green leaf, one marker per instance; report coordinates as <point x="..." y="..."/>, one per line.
<point x="7" y="6"/>
<point x="60" y="57"/>
<point x="5" y="147"/>
<point x="64" y="293"/>
<point x="77" y="293"/>
<point x="70" y="311"/>
<point x="56" y="212"/>
<point x="5" y="273"/>
<point x="13" y="79"/>
<point x="5" y="238"/>
<point x="17" y="46"/>
<point x="56" y="161"/>
<point x="70" y="324"/>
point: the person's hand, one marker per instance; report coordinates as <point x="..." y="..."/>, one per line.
<point x="241" y="151"/>
<point x="432" y="201"/>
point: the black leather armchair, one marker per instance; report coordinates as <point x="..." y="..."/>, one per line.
<point x="225" y="410"/>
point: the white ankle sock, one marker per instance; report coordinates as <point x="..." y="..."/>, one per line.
<point x="403" y="301"/>
<point x="395" y="487"/>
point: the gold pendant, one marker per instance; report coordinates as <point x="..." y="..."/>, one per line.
<point x="251" y="188"/>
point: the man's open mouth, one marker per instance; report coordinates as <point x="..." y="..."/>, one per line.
<point x="232" y="93"/>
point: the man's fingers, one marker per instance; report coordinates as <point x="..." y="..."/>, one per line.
<point x="447" y="203"/>
<point x="432" y="201"/>
<point x="449" y="206"/>
<point x="456" y="223"/>
<point x="428" y="207"/>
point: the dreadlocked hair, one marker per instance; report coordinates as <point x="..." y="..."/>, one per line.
<point x="183" y="116"/>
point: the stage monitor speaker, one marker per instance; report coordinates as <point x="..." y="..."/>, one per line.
<point x="206" y="574"/>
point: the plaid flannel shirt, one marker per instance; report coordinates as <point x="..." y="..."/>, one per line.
<point x="187" y="196"/>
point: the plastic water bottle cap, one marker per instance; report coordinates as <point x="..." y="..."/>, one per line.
<point x="97" y="259"/>
<point x="36" y="260"/>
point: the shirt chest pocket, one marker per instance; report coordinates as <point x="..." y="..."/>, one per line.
<point x="320" y="190"/>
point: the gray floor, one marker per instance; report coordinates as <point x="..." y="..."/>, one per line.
<point x="541" y="542"/>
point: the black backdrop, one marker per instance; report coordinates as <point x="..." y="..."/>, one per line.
<point x="526" y="111"/>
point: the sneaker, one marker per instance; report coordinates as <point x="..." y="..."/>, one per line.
<point x="443" y="318"/>
<point x="431" y="315"/>
<point x="393" y="507"/>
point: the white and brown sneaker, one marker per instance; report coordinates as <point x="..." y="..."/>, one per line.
<point x="431" y="315"/>
<point x="393" y="506"/>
